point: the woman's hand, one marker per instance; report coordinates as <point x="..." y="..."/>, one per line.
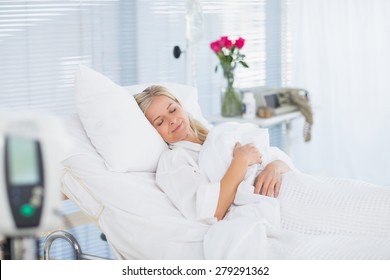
<point x="247" y="152"/>
<point x="269" y="180"/>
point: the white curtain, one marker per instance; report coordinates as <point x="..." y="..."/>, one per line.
<point x="340" y="52"/>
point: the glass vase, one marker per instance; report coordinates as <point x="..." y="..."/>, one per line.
<point x="231" y="102"/>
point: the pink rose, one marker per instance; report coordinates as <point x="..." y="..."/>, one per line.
<point x="215" y="46"/>
<point x="228" y="44"/>
<point x="225" y="42"/>
<point x="240" y="43"/>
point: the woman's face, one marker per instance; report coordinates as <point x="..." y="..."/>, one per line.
<point x="169" y="119"/>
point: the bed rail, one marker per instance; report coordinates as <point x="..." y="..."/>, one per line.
<point x="60" y="234"/>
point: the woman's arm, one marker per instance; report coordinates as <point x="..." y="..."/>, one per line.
<point x="269" y="180"/>
<point x="243" y="156"/>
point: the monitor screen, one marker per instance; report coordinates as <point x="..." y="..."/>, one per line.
<point x="23" y="161"/>
<point x="272" y="100"/>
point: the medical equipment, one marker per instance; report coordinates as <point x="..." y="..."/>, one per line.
<point x="29" y="187"/>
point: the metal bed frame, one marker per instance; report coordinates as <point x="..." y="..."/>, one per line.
<point x="60" y="234"/>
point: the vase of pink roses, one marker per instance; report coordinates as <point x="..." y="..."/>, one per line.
<point x="228" y="53"/>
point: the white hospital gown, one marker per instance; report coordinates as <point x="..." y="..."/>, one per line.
<point x="189" y="189"/>
<point x="178" y="175"/>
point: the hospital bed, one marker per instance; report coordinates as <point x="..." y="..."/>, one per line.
<point x="322" y="214"/>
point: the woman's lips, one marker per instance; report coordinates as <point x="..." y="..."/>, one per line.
<point x="178" y="127"/>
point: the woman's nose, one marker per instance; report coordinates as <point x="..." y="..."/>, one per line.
<point x="172" y="121"/>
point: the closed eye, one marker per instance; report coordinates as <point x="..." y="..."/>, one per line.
<point x="160" y="123"/>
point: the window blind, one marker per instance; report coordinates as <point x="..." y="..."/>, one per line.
<point x="231" y="18"/>
<point x="162" y="26"/>
<point x="43" y="42"/>
<point x="255" y="21"/>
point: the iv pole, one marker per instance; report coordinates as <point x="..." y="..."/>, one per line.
<point x="194" y="25"/>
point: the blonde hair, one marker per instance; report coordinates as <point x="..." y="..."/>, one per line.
<point x="144" y="99"/>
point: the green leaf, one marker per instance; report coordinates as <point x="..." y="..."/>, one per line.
<point x="244" y="64"/>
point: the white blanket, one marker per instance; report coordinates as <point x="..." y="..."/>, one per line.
<point x="321" y="218"/>
<point x="216" y="155"/>
<point x="217" y="151"/>
<point x="313" y="218"/>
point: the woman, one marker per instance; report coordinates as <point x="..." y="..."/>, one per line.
<point x="178" y="171"/>
<point x="351" y="229"/>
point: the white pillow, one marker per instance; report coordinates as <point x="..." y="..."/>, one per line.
<point x="117" y="128"/>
